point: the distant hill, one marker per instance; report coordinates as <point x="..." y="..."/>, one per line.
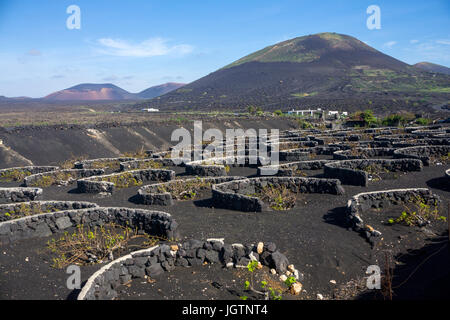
<point x="432" y="67"/>
<point x="157" y="91"/>
<point x="3" y="98"/>
<point x="90" y="91"/>
<point x="325" y="69"/>
<point x="108" y="91"/>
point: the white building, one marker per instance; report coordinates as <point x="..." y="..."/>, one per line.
<point x="303" y="112"/>
<point x="151" y="110"/>
<point x="310" y="112"/>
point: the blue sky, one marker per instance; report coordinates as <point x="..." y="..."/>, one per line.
<point x="137" y="44"/>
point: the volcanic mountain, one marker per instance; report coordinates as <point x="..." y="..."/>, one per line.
<point x="432" y="67"/>
<point x="108" y="91"/>
<point x="91" y="91"/>
<point x="157" y="91"/>
<point x="325" y="69"/>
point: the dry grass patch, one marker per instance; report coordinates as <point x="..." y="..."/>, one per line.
<point x="89" y="246"/>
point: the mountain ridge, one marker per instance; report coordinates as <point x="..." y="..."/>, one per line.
<point x="108" y="91"/>
<point x="314" y="70"/>
<point x="432" y="67"/>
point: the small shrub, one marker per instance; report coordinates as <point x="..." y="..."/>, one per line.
<point x="25" y="209"/>
<point x="267" y="292"/>
<point x="279" y="199"/>
<point x="124" y="180"/>
<point x="303" y="124"/>
<point x="139" y="154"/>
<point x="418" y="213"/>
<point x="87" y="246"/>
<point x="278" y="113"/>
<point x="151" y="164"/>
<point x="102" y="164"/>
<point x="14" y="175"/>
<point x="423" y="121"/>
<point x="57" y="178"/>
<point x="70" y="163"/>
<point x="185" y="190"/>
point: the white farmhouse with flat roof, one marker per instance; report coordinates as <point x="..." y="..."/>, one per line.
<point x="151" y="110"/>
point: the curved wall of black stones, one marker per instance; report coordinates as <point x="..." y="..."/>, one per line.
<point x="76" y="173"/>
<point x="19" y="194"/>
<point x="233" y="194"/>
<point x="154" y="261"/>
<point x="43" y="225"/>
<point x="289" y="169"/>
<point x="87" y="164"/>
<point x="151" y="195"/>
<point x="44" y="206"/>
<point x="424" y="153"/>
<point x="352" y="172"/>
<point x="30" y="169"/>
<point x="363" y="153"/>
<point x="362" y="202"/>
<point x="96" y="185"/>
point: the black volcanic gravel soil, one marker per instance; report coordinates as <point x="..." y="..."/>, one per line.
<point x="207" y="282"/>
<point x="311" y="235"/>
<point x="26" y="273"/>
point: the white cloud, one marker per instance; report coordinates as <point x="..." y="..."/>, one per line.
<point x="34" y="52"/>
<point x="432" y="50"/>
<point x="390" y="44"/>
<point x="414" y="41"/>
<point x="148" y="48"/>
<point x="445" y="41"/>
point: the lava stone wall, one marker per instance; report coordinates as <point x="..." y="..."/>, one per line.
<point x="44" y="206"/>
<point x="8" y="195"/>
<point x="135" y="164"/>
<point x="289" y="169"/>
<point x="215" y="167"/>
<point x="352" y="172"/>
<point x="362" y="202"/>
<point x="294" y="155"/>
<point x="197" y="168"/>
<point x="363" y="153"/>
<point x="233" y="195"/>
<point x="150" y="195"/>
<point x="96" y="185"/>
<point x="424" y="153"/>
<point x="30" y="169"/>
<point x="43" y="225"/>
<point x="103" y="285"/>
<point x="87" y="164"/>
<point x="76" y="173"/>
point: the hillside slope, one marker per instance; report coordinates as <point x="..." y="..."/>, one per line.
<point x="159" y="90"/>
<point x="108" y="91"/>
<point x="325" y="69"/>
<point x="432" y="67"/>
<point x="91" y="91"/>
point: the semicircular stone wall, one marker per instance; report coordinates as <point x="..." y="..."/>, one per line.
<point x="354" y="172"/>
<point x="20" y="194"/>
<point x="20" y="209"/>
<point x="424" y="153"/>
<point x="157" y="194"/>
<point x="19" y="173"/>
<point x="60" y="176"/>
<point x="151" y="262"/>
<point x="108" y="183"/>
<point x="234" y="195"/>
<point x="361" y="203"/>
<point x="157" y="223"/>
